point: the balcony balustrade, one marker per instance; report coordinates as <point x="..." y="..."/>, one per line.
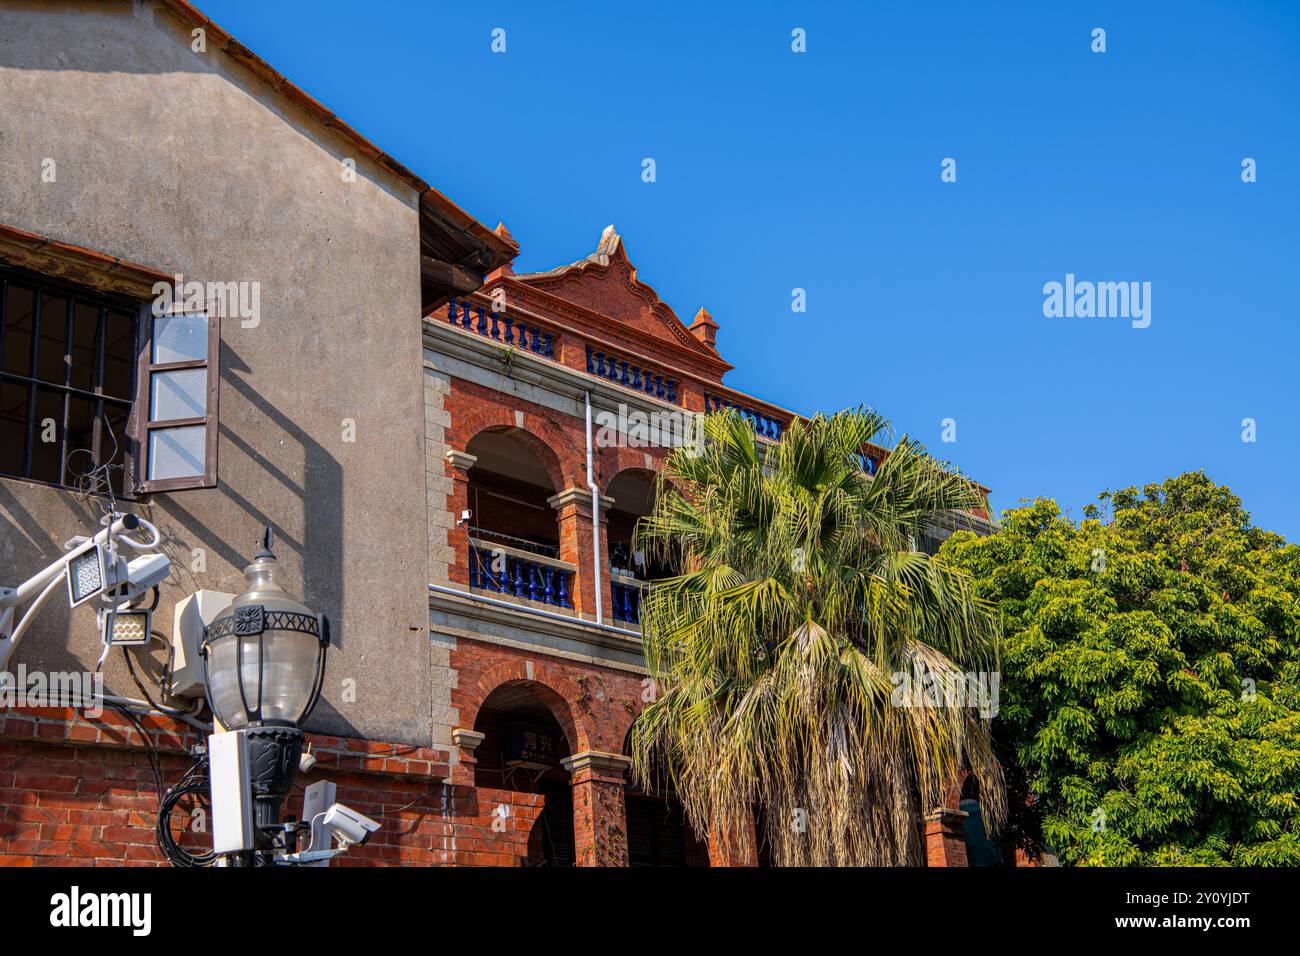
<point x="500" y="326"/>
<point x="530" y="577"/>
<point x="624" y="372"/>
<point x="765" y="426"/>
<point x="626" y="598"/>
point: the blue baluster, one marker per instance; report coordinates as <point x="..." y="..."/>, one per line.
<point x="503" y="576"/>
<point x="622" y="372"/>
<point x="564" y="589"/>
<point x="659" y="386"/>
<point x="549" y="594"/>
<point x="532" y="581"/>
<point x="636" y="376"/>
<point x="548" y="345"/>
<point x="672" y="390"/>
<point x="496" y="334"/>
<point x="482" y="321"/>
<point x="519" y="579"/>
<point x="627" y="604"/>
<point x="451" y="311"/>
<point x="473" y="567"/>
<point x="466" y="315"/>
<point x="510" y="324"/>
<point x="589" y="363"/>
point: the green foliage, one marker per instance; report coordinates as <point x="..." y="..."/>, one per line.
<point x="777" y="649"/>
<point x="1151" y="675"/>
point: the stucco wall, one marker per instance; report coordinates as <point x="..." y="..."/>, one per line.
<point x="185" y="162"/>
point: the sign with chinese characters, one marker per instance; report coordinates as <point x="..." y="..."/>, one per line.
<point x="530" y="744"/>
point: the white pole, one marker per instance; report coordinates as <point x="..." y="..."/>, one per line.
<point x="595" y="514"/>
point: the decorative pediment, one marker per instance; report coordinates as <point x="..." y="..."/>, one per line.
<point x="606" y="282"/>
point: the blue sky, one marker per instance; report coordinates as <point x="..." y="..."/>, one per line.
<point x="821" y="171"/>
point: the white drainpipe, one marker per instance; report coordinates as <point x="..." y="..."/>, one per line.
<point x="595" y="515"/>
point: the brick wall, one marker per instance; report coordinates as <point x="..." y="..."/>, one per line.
<point x="80" y="791"/>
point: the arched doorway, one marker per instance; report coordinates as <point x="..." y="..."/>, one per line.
<point x="522" y="747"/>
<point x="658" y="833"/>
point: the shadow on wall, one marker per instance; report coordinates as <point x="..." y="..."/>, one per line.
<point x="320" y="493"/>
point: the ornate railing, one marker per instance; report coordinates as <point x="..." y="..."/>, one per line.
<point x="502" y="327"/>
<point x="765" y="425"/>
<point x="624" y="372"/>
<point x="521" y="575"/>
<point x="627" y="599"/>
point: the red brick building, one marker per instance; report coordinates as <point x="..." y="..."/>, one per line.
<point x="488" y="667"/>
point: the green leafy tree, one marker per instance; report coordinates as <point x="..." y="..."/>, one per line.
<point x="778" y="649"/>
<point x="1151" y="689"/>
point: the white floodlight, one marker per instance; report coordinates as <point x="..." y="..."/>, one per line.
<point x="88" y="573"/>
<point x="125" y="627"/>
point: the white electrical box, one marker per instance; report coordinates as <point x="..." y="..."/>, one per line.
<point x="317" y="799"/>
<point x="192" y="615"/>
<point x="232" y="794"/>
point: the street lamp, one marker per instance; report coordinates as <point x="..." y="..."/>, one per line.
<point x="263" y="665"/>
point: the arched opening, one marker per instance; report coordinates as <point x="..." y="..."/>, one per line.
<point x="522" y="747"/>
<point x="980" y="850"/>
<point x="633" y="494"/>
<point x="513" y="529"/>
<point x="658" y="833"/>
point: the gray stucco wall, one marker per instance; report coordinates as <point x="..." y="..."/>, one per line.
<point x="185" y="162"/>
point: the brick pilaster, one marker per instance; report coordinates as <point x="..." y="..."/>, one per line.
<point x="945" y="840"/>
<point x="740" y="850"/>
<point x="599" y="812"/>
<point x="458" y="465"/>
<point x="573" y="512"/>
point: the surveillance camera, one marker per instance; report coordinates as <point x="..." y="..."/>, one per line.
<point x="464" y="517"/>
<point x="348" y="826"/>
<point x="307" y="762"/>
<point x="136" y="577"/>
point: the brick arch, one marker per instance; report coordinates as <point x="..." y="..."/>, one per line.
<point x="552" y="686"/>
<point x="617" y="460"/>
<point x="536" y="444"/>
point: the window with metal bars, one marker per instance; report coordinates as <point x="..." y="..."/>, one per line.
<point x="67" y="382"/>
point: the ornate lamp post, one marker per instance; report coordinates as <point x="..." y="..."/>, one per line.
<point x="263" y="665"/>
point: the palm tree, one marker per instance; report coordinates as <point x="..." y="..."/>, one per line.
<point x="799" y="610"/>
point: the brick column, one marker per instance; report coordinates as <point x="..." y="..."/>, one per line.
<point x="573" y="508"/>
<point x="599" y="813"/>
<point x="458" y="464"/>
<point x="945" y="840"/>
<point x="733" y="855"/>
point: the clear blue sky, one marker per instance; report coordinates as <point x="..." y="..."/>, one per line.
<point x="822" y="171"/>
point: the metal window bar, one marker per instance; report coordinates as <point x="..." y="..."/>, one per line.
<point x="65" y="389"/>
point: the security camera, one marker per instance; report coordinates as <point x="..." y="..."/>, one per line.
<point x="137" y="576"/>
<point x="348" y="826"/>
<point x="464" y="517"/>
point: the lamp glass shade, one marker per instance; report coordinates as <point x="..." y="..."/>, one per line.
<point x="264" y="654"/>
<point x="284" y="687"/>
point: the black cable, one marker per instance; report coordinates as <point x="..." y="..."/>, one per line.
<point x="194" y="781"/>
<point x="150" y="750"/>
<point x="130" y="666"/>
